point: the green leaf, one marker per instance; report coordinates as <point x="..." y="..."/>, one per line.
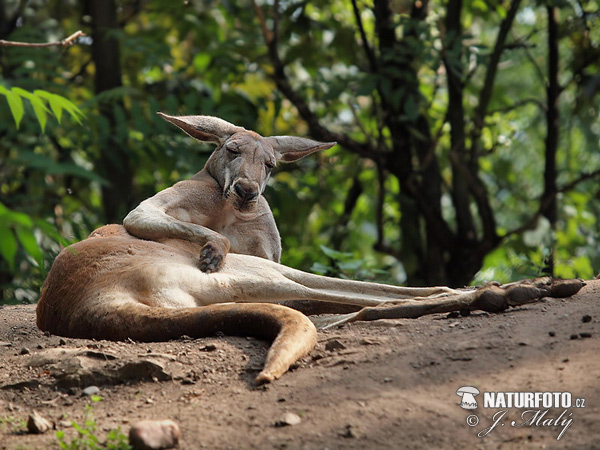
<point x="8" y="246"/>
<point x="201" y="62"/>
<point x="39" y="108"/>
<point x="55" y="105"/>
<point x="9" y="217"/>
<point x="15" y="104"/>
<point x="334" y="254"/>
<point x="29" y="244"/>
<point x="58" y="103"/>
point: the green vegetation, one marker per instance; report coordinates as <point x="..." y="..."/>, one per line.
<point x="87" y="439"/>
<point x="469" y="132"/>
<point x="10" y="424"/>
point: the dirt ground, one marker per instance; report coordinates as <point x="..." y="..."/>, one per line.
<point x="385" y="384"/>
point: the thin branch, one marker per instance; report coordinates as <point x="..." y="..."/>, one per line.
<point x="536" y="66"/>
<point x="583" y="177"/>
<point x="519" y="104"/>
<point x="282" y="82"/>
<point x="547" y="200"/>
<point x="267" y="34"/>
<point x="64" y="43"/>
<point x="363" y="36"/>
<point x="340" y="230"/>
<point x="490" y="76"/>
<point x="476" y="185"/>
<point x="379" y="206"/>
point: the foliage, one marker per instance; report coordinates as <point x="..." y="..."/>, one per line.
<point x="11" y="424"/>
<point x="38" y="100"/>
<point x="87" y="439"/>
<point x="212" y="58"/>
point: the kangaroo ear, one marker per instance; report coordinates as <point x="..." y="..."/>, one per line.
<point x="289" y="148"/>
<point x="203" y="128"/>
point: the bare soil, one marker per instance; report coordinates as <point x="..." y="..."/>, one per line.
<point x="384" y="384"/>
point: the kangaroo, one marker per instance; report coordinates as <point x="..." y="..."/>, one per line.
<point x="202" y="257"/>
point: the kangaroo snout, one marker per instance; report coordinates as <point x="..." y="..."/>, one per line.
<point x="246" y="191"/>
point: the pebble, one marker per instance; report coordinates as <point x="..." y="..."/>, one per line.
<point x="585" y="335"/>
<point x="209" y="348"/>
<point x="154" y="435"/>
<point x="587" y="318"/>
<point x="333" y="345"/>
<point x="25" y="351"/>
<point x="90" y="390"/>
<point x="288" y="419"/>
<point x="37" y="424"/>
<point x="551" y="333"/>
<point x="349" y="432"/>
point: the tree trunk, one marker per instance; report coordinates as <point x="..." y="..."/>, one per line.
<point x="550" y="212"/>
<point x="114" y="161"/>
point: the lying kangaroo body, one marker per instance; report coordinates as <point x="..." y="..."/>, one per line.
<point x="202" y="257"/>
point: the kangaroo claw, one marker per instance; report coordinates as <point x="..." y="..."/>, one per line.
<point x="211" y="258"/>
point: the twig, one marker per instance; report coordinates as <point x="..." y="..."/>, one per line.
<point x="64" y="43"/>
<point x="547" y="199"/>
<point x="519" y="104"/>
<point x="308" y="115"/>
<point x="363" y="37"/>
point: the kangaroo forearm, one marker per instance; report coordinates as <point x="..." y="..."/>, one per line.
<point x="157" y="225"/>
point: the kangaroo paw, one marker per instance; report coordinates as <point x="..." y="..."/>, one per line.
<point x="212" y="257"/>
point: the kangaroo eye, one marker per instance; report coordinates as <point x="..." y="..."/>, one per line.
<point x="269" y="165"/>
<point x="232" y="151"/>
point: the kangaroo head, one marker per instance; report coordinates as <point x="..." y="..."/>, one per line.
<point x="243" y="160"/>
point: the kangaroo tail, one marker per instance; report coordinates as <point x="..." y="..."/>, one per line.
<point x="292" y="333"/>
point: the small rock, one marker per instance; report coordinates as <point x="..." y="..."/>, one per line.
<point x="62" y="342"/>
<point x="288" y="419"/>
<point x="566" y="360"/>
<point x="585" y="335"/>
<point x="465" y="312"/>
<point x="90" y="390"/>
<point x="40" y="346"/>
<point x="453" y="315"/>
<point x="367" y="341"/>
<point x="37" y="424"/>
<point x="5" y="344"/>
<point x="551" y="333"/>
<point x="333" y="345"/>
<point x="348" y="432"/>
<point x="388" y="380"/>
<point x="73" y="391"/>
<point x="154" y="435"/>
<point x="574" y="336"/>
<point x="209" y="348"/>
<point x="587" y="318"/>
<point x="25" y="351"/>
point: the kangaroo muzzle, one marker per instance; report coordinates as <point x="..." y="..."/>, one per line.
<point x="246" y="194"/>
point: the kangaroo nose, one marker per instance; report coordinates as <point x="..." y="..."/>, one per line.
<point x="244" y="194"/>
